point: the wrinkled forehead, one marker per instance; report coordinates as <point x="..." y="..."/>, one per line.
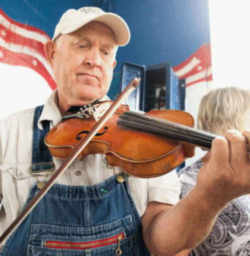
<point x="94" y="28"/>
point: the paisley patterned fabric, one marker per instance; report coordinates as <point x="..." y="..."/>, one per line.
<point x="230" y="235"/>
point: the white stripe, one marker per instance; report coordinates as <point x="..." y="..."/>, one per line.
<point x="188" y="67"/>
<point x="29" y="51"/>
<point x="23" y="32"/>
<point x="203" y="74"/>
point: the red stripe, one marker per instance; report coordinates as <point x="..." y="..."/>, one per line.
<point x="87" y="245"/>
<point x="78" y="248"/>
<point x="194" y="71"/>
<point x="20" y="59"/>
<point x="24" y="26"/>
<point x="203" y="54"/>
<point x="12" y="37"/>
<point x="205" y="79"/>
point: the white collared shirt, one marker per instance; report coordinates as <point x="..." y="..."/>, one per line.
<point x="16" y="133"/>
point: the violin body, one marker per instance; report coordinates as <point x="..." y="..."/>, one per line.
<point x="138" y="153"/>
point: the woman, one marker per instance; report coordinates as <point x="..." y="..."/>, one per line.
<point x="221" y="110"/>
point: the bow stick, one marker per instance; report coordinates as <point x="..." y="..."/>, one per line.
<point x="74" y="154"/>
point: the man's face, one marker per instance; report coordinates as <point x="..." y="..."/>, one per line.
<point x="83" y="64"/>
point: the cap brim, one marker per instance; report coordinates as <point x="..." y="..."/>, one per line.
<point x="115" y="22"/>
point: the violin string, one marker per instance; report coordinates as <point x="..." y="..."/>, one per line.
<point x="167" y="133"/>
<point x="172" y="126"/>
<point x="186" y="133"/>
<point x="177" y="129"/>
<point x="166" y="128"/>
<point x="156" y="130"/>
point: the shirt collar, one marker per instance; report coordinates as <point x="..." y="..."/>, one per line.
<point x="51" y="111"/>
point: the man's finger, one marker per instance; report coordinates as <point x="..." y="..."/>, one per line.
<point x="238" y="148"/>
<point x="219" y="153"/>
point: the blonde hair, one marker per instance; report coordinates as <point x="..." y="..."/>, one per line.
<point x="222" y="109"/>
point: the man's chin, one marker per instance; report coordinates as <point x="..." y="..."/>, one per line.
<point x="87" y="99"/>
<point x="89" y="93"/>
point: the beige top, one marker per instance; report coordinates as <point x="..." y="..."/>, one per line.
<point x="17" y="180"/>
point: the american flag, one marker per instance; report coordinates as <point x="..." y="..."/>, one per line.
<point x="22" y="45"/>
<point x="196" y="68"/>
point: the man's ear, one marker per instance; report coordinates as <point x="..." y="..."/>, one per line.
<point x="49" y="49"/>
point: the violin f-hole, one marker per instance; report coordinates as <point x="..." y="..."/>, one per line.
<point x="79" y="137"/>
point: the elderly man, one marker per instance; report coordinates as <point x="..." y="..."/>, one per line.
<point x="93" y="209"/>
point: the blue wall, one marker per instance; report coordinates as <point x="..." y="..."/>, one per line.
<point x="163" y="30"/>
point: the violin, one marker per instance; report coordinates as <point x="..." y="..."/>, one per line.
<point x="139" y="153"/>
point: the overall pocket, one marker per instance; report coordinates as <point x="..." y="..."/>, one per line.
<point x="116" y="238"/>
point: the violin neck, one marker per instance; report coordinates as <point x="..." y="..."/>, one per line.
<point x="171" y="130"/>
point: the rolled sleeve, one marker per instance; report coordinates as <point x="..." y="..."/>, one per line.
<point x="164" y="189"/>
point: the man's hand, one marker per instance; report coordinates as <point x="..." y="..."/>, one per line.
<point x="224" y="176"/>
<point x="226" y="173"/>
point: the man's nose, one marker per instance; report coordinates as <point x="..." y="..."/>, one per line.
<point x="93" y="57"/>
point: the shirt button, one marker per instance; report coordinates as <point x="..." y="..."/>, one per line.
<point x="40" y="184"/>
<point x="78" y="173"/>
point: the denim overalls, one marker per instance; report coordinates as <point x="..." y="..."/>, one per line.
<point x="77" y="220"/>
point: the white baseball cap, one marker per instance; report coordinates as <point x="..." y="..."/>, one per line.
<point x="73" y="19"/>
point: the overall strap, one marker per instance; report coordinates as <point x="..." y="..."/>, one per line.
<point x="41" y="157"/>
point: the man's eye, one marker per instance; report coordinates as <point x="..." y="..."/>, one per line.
<point x="106" y="52"/>
<point x="82" y="45"/>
